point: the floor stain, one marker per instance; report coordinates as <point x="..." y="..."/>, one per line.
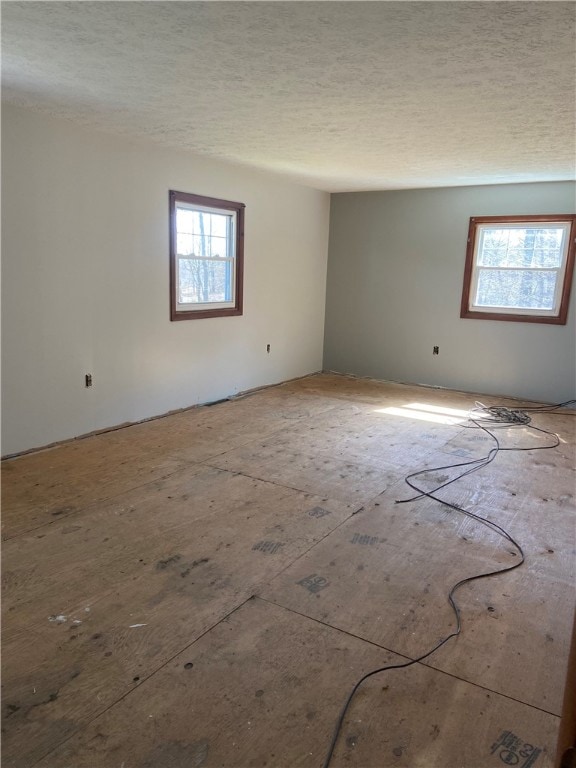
<point x="62" y="511"/>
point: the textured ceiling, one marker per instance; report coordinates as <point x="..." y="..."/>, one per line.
<point x="337" y="95"/>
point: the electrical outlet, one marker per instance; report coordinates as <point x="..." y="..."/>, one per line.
<point x="268" y="348"/>
<point x="435" y="350"/>
<point x="88" y="379"/>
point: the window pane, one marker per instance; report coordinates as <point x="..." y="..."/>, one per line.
<point x="204" y="281"/>
<point x="521" y="247"/>
<point x="219" y="225"/>
<point x="184" y="244"/>
<point x="218" y="247"/>
<point x="515" y="288"/>
<point x="184" y="220"/>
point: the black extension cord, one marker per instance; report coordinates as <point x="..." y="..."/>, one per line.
<point x="497" y="417"/>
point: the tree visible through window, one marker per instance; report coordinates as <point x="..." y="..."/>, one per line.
<point x="519" y="268"/>
<point x="206" y="256"/>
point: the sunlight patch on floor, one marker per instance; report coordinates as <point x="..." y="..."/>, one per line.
<point x="425" y="412"/>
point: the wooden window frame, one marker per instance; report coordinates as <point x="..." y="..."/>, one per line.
<point x="561" y="317"/>
<point x="204" y="310"/>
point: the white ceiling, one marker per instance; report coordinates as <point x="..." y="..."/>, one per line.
<point x="336" y="95"/>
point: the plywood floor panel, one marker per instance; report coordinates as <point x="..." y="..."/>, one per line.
<point x="515" y="640"/>
<point x="56" y="483"/>
<point x="264" y="688"/>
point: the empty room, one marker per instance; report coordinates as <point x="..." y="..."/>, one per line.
<point x="288" y="384"/>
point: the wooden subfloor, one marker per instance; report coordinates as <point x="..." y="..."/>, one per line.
<point x="205" y="589"/>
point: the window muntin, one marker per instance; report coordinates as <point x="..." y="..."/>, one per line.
<point x="519" y="268"/>
<point x="206" y="256"/>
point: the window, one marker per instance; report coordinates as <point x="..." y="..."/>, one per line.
<point x="519" y="268"/>
<point x="206" y="256"/>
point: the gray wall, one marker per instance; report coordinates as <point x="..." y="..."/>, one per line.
<point x="395" y="270"/>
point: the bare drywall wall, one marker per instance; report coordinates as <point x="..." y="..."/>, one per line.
<point x="85" y="282"/>
<point x="395" y="271"/>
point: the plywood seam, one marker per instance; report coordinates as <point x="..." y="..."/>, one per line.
<point x="409" y="658"/>
<point x="315" y="544"/>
